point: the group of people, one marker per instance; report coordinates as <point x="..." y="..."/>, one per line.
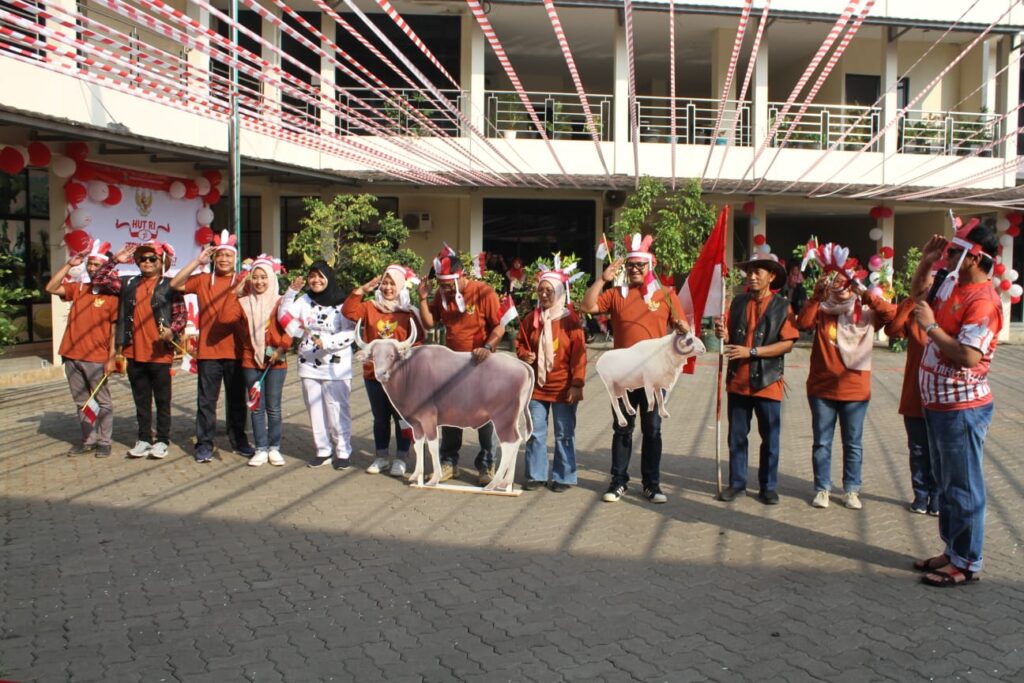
<point x="246" y="328"/>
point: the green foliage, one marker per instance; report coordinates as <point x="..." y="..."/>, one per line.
<point x="901" y="279"/>
<point x="11" y="294"/>
<point x="336" y="233"/>
<point x="495" y="279"/>
<point x="636" y="212"/>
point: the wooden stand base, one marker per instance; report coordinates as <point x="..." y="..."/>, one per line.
<point x="455" y="488"/>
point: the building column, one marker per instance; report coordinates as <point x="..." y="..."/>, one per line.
<point x="327" y="73"/>
<point x="270" y="221"/>
<point x="721" y="52"/>
<point x="199" y="58"/>
<point x="760" y="121"/>
<point x="623" y="163"/>
<point x="989" y="57"/>
<point x="760" y="216"/>
<point x="890" y="100"/>
<point x="472" y="53"/>
<point x="471" y="223"/>
<point x="1006" y="102"/>
<point x="272" y="86"/>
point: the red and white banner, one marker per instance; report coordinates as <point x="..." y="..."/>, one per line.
<point x="702" y="293"/>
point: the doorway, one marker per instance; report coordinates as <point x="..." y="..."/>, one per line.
<point x="531" y="228"/>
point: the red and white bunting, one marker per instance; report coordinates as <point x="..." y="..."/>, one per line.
<point x="634" y="128"/>
<point x="730" y="73"/>
<point x="407" y="30"/>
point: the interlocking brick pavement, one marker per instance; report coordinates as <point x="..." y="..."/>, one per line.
<point x="143" y="570"/>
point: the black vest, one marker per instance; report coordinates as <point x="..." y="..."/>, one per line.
<point x="763" y="371"/>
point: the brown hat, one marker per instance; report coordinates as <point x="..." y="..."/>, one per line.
<point x="769" y="262"/>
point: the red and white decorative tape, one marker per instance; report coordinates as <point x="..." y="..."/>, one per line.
<point x="401" y="23"/>
<point x="672" y="85"/>
<point x="634" y="128"/>
<point x="737" y="44"/>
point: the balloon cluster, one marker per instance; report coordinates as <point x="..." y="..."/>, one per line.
<point x="14" y="158"/>
<point x="761" y="245"/>
<point x="1004" y="277"/>
<point x="880" y="274"/>
<point x="880" y="212"/>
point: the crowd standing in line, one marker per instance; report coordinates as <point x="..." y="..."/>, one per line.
<point x="135" y="323"/>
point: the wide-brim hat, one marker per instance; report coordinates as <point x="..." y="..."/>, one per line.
<point x="769" y="262"/>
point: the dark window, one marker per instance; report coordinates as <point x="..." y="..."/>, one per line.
<point x="293" y="209"/>
<point x="25" y="233"/>
<point x="903" y="93"/>
<point x="252" y="240"/>
<point x="862" y="90"/>
<point x="300" y="113"/>
<point x="250" y="88"/>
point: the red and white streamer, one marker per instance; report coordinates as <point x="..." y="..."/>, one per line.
<point x="407" y="30"/>
<point x="634" y="128"/>
<point x="737" y="45"/>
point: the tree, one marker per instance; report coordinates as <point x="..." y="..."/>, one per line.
<point x="336" y="233"/>
<point x="11" y="294"/>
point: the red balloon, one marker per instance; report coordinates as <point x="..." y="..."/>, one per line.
<point x="85" y="171"/>
<point x="212" y="197"/>
<point x="875" y="212"/>
<point x="191" y="189"/>
<point x="759" y="239"/>
<point x="1014" y="218"/>
<point x="886" y="212"/>
<point x="38" y="154"/>
<point x="748" y="207"/>
<point x="214" y="177"/>
<point x="76" y="150"/>
<point x="1014" y="299"/>
<point x="204" y="236"/>
<point x="1013" y="230"/>
<point x="886" y="252"/>
<point x="75" y="193"/>
<point x="999" y="269"/>
<point x="11" y="161"/>
<point x="77" y="240"/>
<point x="1005" y="285"/>
<point x="113" y="195"/>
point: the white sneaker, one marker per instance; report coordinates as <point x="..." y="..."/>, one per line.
<point x="140" y="449"/>
<point x="378" y="465"/>
<point x="852" y="500"/>
<point x="260" y="458"/>
<point x="276" y="459"/>
<point x="820" y="499"/>
<point x="158" y="450"/>
<point x="397" y="468"/>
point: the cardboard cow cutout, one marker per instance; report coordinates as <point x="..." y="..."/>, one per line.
<point x="433" y="386"/>
<point x="652" y="365"/>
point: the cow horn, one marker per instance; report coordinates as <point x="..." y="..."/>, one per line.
<point x="359" y="337"/>
<point x="407" y="344"/>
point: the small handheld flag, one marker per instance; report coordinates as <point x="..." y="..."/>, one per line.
<point x="256" y="391"/>
<point x="91" y="408"/>
<point x="508" y="310"/>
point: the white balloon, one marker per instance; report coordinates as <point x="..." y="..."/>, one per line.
<point x="64" y="167"/>
<point x="1006" y="241"/>
<point x="754" y="220"/>
<point x="1002" y="224"/>
<point x="177" y="189"/>
<point x="80" y="219"/>
<point x="1011" y="275"/>
<point x="1016" y="290"/>
<point x="875" y="234"/>
<point x="203" y="185"/>
<point x="204" y="216"/>
<point x="765" y="248"/>
<point x="98" y="191"/>
<point x="873" y="277"/>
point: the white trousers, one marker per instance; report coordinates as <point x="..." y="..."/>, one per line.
<point x="327" y="400"/>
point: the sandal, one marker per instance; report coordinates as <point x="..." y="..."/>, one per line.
<point x="932" y="563"/>
<point x="950" y="577"/>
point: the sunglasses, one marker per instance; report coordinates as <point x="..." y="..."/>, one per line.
<point x="147" y="259"/>
<point x="636" y="265"/>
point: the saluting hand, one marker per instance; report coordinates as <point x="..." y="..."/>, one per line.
<point x="612" y="270"/>
<point x="297" y="283"/>
<point x="124" y="254"/>
<point x="206" y="254"/>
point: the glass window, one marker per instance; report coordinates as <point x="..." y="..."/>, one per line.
<point x="249" y="216"/>
<point x="25" y="233"/>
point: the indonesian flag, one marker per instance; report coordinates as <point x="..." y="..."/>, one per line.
<point x="604" y="248"/>
<point x="650" y="286"/>
<point x="406" y="429"/>
<point x="291" y="324"/>
<point x="702" y="290"/>
<point x="255" y="391"/>
<point x="189" y="364"/>
<point x="480" y="265"/>
<point x="91" y="410"/>
<point x="508" y="310"/>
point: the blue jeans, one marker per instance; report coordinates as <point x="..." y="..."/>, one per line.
<point x="956" y="439"/>
<point x="564" y="469"/>
<point x="769" y="426"/>
<point x="384" y="414"/>
<point x="926" y="489"/>
<point x="622" y="442"/>
<point x="824" y="413"/>
<point x="266" y="419"/>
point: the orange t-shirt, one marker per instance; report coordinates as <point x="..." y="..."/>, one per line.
<point x="904" y="325"/>
<point x="146" y="345"/>
<point x="570" y="363"/>
<point x="219" y="313"/>
<point x="276" y="338"/>
<point x="740" y="382"/>
<point x="380" y="325"/>
<point x="828" y="377"/>
<point x="633" y="320"/>
<point x="468" y="330"/>
<point x="90" y="320"/>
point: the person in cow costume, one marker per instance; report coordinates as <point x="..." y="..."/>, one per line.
<point x="640" y="309"/>
<point x="962" y="323"/>
<point x="389" y="315"/>
<point x="551" y="339"/>
<point x="87" y="348"/>
<point x="758" y="333"/>
<point x="470" y="313"/>
<point x="844" y="318"/>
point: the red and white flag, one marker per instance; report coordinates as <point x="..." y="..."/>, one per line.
<point x="255" y="391"/>
<point x="91" y="410"/>
<point x="604" y="248"/>
<point x="406" y="429"/>
<point x="189" y="364"/>
<point x="291" y="324"/>
<point x="508" y="310"/>
<point x="702" y="291"/>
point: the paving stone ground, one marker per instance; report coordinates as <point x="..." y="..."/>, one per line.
<point x="126" y="570"/>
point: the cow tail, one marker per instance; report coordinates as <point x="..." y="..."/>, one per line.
<point x="525" y="395"/>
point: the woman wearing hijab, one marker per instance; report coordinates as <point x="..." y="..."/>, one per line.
<point x="551" y="340"/>
<point x="389" y="315"/>
<point x="844" y="319"/>
<point x="325" y="360"/>
<point x="264" y="345"/>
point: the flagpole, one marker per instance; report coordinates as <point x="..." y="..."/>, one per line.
<point x="95" y="390"/>
<point x="718" y="400"/>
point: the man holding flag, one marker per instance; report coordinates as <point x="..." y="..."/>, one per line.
<point x="639" y="309"/>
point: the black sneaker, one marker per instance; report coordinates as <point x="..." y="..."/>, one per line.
<point x="559" y="487"/>
<point x="768" y="497"/>
<point x="533" y="485"/>
<point x="615" y="493"/>
<point x="103" y="451"/>
<point x="318" y="462"/>
<point x="729" y="495"/>
<point x="654" y="494"/>
<point x="342" y="463"/>
<point x="245" y="449"/>
<point x="81" y="449"/>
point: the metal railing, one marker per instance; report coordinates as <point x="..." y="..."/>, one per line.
<point x="695" y="121"/>
<point x="422" y="116"/>
<point x="961" y="133"/>
<point x="822" y="125"/>
<point x="561" y="114"/>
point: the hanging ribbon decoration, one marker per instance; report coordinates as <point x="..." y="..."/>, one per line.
<point x="634" y="129"/>
<point x="407" y="30"/>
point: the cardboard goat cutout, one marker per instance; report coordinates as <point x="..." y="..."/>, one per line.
<point x="652" y="365"/>
<point x="433" y="387"/>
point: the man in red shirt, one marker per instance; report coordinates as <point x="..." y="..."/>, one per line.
<point x="219" y="350"/>
<point x="88" y="344"/>
<point x="470" y="313"/>
<point x="760" y="332"/>
<point x="962" y="329"/>
<point x="639" y="310"/>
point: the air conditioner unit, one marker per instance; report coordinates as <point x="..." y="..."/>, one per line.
<point x="418" y="222"/>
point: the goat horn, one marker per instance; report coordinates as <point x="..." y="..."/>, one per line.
<point x="359" y="337"/>
<point x="412" y="337"/>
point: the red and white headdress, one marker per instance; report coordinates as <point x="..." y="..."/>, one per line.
<point x="834" y="258"/>
<point x="267" y="261"/>
<point x="225" y="241"/>
<point x="960" y="232"/>
<point x="639" y="247"/>
<point x="445" y="268"/>
<point x="99" y="251"/>
<point x="561" y="276"/>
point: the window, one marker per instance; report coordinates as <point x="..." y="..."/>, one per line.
<point x="25" y="234"/>
<point x="293" y="209"/>
<point x="252" y="237"/>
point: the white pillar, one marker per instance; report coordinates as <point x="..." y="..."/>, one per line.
<point x="761" y="216"/>
<point x="890" y="101"/>
<point x="471" y="71"/>
<point x="760" y="122"/>
<point x="54" y="25"/>
<point x="272" y="85"/>
<point x="270" y="221"/>
<point x="1007" y="100"/>
<point x="471" y="228"/>
<point x="721" y="52"/>
<point x="327" y="72"/>
<point x="199" y="58"/>
<point x="620" y="134"/>
<point x="989" y="59"/>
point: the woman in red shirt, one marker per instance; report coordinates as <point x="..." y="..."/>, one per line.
<point x="264" y="345"/>
<point x="551" y="340"/>
<point x="389" y="315"/>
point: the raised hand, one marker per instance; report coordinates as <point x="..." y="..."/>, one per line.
<point x="206" y="254"/>
<point x="297" y="283"/>
<point x="934" y="249"/>
<point x="125" y="253"/>
<point x="612" y="270"/>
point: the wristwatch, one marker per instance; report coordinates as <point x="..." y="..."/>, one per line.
<point x="929" y="327"/>
<point x="489" y="347"/>
<point x="753" y="352"/>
